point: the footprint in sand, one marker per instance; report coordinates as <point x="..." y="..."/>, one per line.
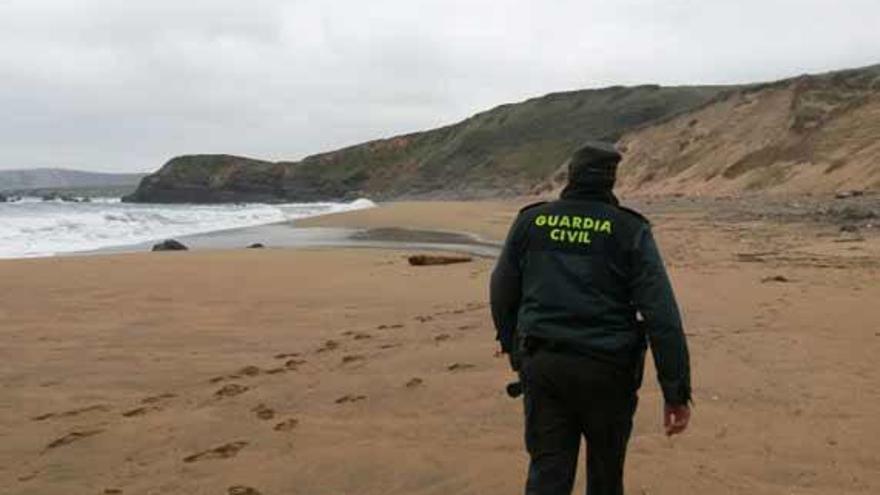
<point x="443" y="337"/>
<point x="459" y="366"/>
<point x="357" y="335"/>
<point x="275" y="371"/>
<point x="222" y="452"/>
<point x="72" y="437"/>
<point x="140" y="411"/>
<point x="151" y="404"/>
<point x="112" y="491"/>
<point x="74" y="412"/>
<point x="286" y="425"/>
<point x="294" y="364"/>
<point x="345" y="399"/>
<point x="242" y="490"/>
<point x="285" y="355"/>
<point x="415" y="382"/>
<point x="354" y="358"/>
<point x="423" y="319"/>
<point x="158" y="398"/>
<point x="29" y="476"/>
<point x="389" y="346"/>
<point x="263" y="412"/>
<point x="247" y="371"/>
<point x="390" y="327"/>
<point x="330" y="345"/>
<point x="230" y="390"/>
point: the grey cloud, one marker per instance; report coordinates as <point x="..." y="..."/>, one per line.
<point x="103" y="84"/>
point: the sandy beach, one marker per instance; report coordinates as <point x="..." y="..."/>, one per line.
<point x="347" y="371"/>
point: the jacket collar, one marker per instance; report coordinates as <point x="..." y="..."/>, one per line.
<point x="581" y="192"/>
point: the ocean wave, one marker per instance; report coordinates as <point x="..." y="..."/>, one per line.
<point x="29" y="229"/>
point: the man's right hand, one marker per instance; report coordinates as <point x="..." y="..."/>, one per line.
<point x="676" y="418"/>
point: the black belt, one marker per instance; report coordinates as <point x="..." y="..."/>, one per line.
<point x="534" y="344"/>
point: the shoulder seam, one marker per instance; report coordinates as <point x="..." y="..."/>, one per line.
<point x="636" y="214"/>
<point x="533" y="205"/>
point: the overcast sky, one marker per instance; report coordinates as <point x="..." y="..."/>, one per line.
<point x="119" y="85"/>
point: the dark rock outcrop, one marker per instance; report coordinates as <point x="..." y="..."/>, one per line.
<point x="211" y="179"/>
<point x="170" y="245"/>
<point x="257" y="245"/>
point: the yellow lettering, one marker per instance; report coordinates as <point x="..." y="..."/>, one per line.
<point x="606" y="226"/>
<point x="541" y="221"/>
<point x="576" y="222"/>
<point x="588" y="223"/>
<point x="553" y="220"/>
<point x="556" y="234"/>
<point x="564" y="221"/>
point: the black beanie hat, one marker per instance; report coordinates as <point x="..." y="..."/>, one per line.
<point x="594" y="166"/>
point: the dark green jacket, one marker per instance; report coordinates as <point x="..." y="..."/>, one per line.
<point x="575" y="272"/>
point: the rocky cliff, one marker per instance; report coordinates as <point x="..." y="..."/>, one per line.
<point x="506" y="150"/>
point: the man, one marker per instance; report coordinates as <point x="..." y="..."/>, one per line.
<point x="572" y="279"/>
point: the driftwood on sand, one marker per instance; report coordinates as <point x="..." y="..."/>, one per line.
<point x="425" y="260"/>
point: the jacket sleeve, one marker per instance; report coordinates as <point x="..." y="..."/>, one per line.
<point x="505" y="289"/>
<point x="653" y="296"/>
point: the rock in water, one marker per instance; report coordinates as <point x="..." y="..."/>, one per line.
<point x="3" y="198"/>
<point x="170" y="245"/>
<point x="425" y="260"/>
<point x="256" y="245"/>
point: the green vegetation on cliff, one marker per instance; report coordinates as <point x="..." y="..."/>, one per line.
<point x="506" y="150"/>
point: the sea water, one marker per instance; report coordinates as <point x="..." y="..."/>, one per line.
<point x="32" y="227"/>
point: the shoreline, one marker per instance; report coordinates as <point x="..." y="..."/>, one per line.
<point x="51" y="229"/>
<point x="288" y="235"/>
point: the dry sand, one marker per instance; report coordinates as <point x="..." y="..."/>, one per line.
<point x="350" y="372"/>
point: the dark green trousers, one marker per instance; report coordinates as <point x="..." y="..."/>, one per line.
<point x="569" y="397"/>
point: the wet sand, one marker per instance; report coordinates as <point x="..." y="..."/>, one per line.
<point x="333" y="370"/>
<point x="293" y="235"/>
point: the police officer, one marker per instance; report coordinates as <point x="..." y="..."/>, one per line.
<point x="578" y="292"/>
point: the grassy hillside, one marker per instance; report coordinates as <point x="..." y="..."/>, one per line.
<point x="506" y="150"/>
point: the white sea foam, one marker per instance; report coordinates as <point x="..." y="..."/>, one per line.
<point x="35" y="228"/>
